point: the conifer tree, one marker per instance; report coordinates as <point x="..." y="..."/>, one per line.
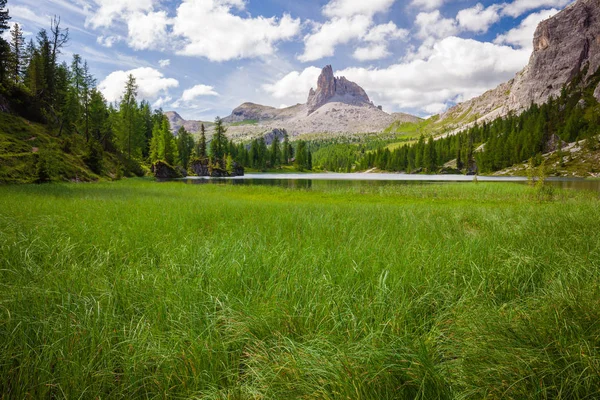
<point x="185" y="146"/>
<point x="286" y="149"/>
<point x="201" y="146"/>
<point x="275" y="153"/>
<point x="4" y="46"/>
<point x="129" y="132"/>
<point x="17" y="47"/>
<point x="218" y="144"/>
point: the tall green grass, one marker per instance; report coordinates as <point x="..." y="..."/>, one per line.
<point x="136" y="289"/>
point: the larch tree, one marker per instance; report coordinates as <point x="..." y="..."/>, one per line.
<point x="4" y="46"/>
<point x="17" y="48"/>
<point x="218" y="144"/>
<point x="185" y="146"/>
<point x="201" y="146"/>
<point x="129" y="132"/>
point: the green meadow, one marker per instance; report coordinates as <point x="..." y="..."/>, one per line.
<point x="137" y="289"/>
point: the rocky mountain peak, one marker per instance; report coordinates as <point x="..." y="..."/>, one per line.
<point x="565" y="46"/>
<point x="332" y="89"/>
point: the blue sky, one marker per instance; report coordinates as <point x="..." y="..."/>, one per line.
<point x="202" y="58"/>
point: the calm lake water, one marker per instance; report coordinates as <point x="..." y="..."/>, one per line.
<point x="304" y="181"/>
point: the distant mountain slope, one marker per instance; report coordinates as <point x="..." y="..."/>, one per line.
<point x="566" y="46"/>
<point x="177" y="122"/>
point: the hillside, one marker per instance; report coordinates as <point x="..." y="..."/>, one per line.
<point x="337" y="107"/>
<point x="566" y="46"/>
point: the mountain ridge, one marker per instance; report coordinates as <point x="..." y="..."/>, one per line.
<point x="565" y="46"/>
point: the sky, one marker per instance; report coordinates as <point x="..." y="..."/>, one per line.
<point x="203" y="58"/>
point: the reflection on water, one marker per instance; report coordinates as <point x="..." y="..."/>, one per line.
<point x="332" y="181"/>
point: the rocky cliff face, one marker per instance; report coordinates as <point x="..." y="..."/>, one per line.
<point x="332" y="89"/>
<point x="565" y="46"/>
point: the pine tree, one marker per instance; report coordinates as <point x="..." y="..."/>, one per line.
<point x="129" y="129"/>
<point x="185" y="146"/>
<point x="218" y="144"/>
<point x="17" y="47"/>
<point x="4" y="17"/>
<point x="169" y="150"/>
<point x="275" y="153"/>
<point x="286" y="149"/>
<point x="4" y="46"/>
<point x="201" y="146"/>
<point x="301" y="161"/>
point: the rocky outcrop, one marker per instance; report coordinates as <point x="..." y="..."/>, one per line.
<point x="332" y="89"/>
<point x="564" y="47"/>
<point x="203" y="167"/>
<point x="162" y="170"/>
<point x="597" y="93"/>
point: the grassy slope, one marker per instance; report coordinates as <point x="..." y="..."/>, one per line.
<point x="136" y="289"/>
<point x="20" y="137"/>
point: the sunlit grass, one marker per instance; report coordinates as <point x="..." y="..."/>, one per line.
<point x="138" y="289"/>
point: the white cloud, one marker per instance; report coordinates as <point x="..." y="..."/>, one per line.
<point x="322" y="42"/>
<point x="164" y="63"/>
<point x="147" y="31"/>
<point x="209" y="29"/>
<point x="348" y="8"/>
<point x="427" y="4"/>
<point x="352" y="20"/>
<point x="371" y="53"/>
<point x="434" y="25"/>
<point x="478" y="19"/>
<point x="108" y="41"/>
<point x="151" y="83"/>
<point x="108" y="11"/>
<point x="197" y="91"/>
<point x="384" y="32"/>
<point x="455" y="70"/>
<point x="519" y="7"/>
<point x="295" y="85"/>
<point x="193" y="93"/>
<point x="161" y="101"/>
<point x="522" y="36"/>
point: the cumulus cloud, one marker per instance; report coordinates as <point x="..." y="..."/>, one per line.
<point x="151" y="83"/>
<point x="189" y="95"/>
<point x="161" y="101"/>
<point x="164" y="63"/>
<point x="371" y="53"/>
<point x="456" y="69"/>
<point x="352" y="20"/>
<point x="520" y="7"/>
<point x="348" y="8"/>
<point x="147" y="31"/>
<point x="295" y="85"/>
<point x="427" y="4"/>
<point x="434" y="25"/>
<point x="324" y="39"/>
<point x="108" y="11"/>
<point x="478" y="19"/>
<point x="208" y="28"/>
<point x="522" y="36"/>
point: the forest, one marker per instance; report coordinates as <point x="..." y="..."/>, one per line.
<point x="488" y="147"/>
<point x="112" y="139"/>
